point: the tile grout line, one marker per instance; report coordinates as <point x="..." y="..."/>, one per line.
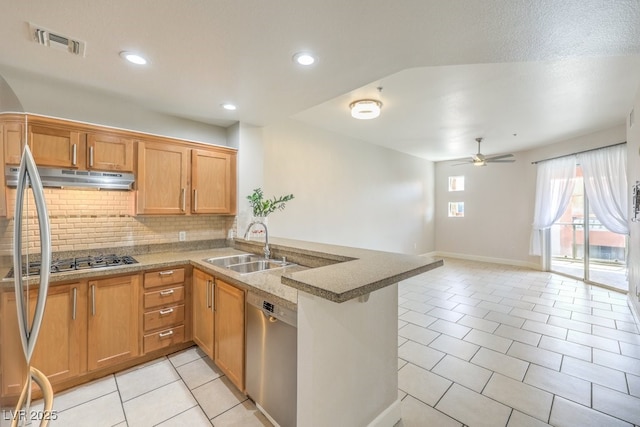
<point x="590" y="310"/>
<point x="115" y="380"/>
<point x="191" y="391"/>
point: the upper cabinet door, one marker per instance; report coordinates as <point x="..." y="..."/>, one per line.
<point x="109" y="152"/>
<point x="162" y="178"/>
<point x="213" y="175"/>
<point x="60" y="147"/>
<point x="12" y="137"/>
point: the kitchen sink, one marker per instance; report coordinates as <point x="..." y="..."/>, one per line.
<point x="248" y="263"/>
<point x="226" y="261"/>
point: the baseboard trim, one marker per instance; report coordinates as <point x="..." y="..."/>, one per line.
<point x="492" y="260"/>
<point x="389" y="417"/>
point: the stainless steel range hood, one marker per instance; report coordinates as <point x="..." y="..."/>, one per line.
<point x="71" y="178"/>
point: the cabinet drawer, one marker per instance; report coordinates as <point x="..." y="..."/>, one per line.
<point x="164" y="317"/>
<point x="163" y="277"/>
<point x="163" y="297"/>
<point x="163" y="338"/>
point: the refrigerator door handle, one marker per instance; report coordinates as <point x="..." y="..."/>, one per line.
<point x="28" y="173"/>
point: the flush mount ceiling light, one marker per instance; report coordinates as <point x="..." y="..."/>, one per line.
<point x="228" y="106"/>
<point x="134" y="58"/>
<point x="304" y="58"/>
<point x="365" y="109"/>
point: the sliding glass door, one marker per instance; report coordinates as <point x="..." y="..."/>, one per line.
<point x="583" y="248"/>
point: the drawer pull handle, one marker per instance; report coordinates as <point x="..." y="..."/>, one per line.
<point x="167" y="292"/>
<point x="167" y="311"/>
<point x="165" y="334"/>
<point x="166" y="273"/>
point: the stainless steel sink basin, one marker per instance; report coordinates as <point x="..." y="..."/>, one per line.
<point x="226" y="261"/>
<point x="247" y="263"/>
<point x="255" y="266"/>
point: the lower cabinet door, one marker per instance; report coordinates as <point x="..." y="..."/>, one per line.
<point x="230" y="331"/>
<point x="113" y="324"/>
<point x="202" y="307"/>
<point x="59" y="352"/>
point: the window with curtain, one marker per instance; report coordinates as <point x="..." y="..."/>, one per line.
<point x="605" y="182"/>
<point x="554" y="186"/>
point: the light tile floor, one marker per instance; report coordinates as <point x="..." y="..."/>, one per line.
<point x="491" y="345"/>
<point x="479" y="345"/>
<point x="183" y="389"/>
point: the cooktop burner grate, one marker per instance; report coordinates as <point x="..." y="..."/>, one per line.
<point x="83" y="263"/>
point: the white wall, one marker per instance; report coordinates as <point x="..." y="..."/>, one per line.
<point x="347" y="354"/>
<point x="70" y="102"/>
<point x="250" y="169"/>
<point x="499" y="202"/>
<point x="633" y="175"/>
<point x="347" y="192"/>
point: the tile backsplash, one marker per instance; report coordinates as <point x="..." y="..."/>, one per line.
<point x="90" y="219"/>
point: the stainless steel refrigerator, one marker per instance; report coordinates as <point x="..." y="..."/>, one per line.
<point x="29" y="323"/>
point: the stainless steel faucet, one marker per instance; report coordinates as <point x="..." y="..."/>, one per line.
<point x="267" y="252"/>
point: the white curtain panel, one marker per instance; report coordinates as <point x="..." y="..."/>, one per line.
<point x="605" y="181"/>
<point x="554" y="187"/>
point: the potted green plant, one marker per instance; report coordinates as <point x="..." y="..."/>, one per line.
<point x="263" y="207"/>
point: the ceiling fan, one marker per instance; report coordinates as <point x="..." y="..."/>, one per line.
<point x="480" y="159"/>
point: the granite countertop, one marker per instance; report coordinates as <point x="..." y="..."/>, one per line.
<point x="355" y="273"/>
<point x="336" y="273"/>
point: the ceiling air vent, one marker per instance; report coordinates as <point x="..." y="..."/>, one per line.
<point x="47" y="38"/>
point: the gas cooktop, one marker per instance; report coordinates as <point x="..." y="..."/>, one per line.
<point x="83" y="263"/>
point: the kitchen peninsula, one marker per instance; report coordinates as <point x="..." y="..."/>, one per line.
<point x="348" y="332"/>
<point x="347" y="305"/>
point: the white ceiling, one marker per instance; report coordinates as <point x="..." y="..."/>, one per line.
<point x="451" y="70"/>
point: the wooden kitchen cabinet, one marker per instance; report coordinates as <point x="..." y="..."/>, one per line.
<point x="109" y="152"/>
<point x="213" y="181"/>
<point x="202" y="306"/>
<point x="112" y="326"/>
<point x="162" y="179"/>
<point x="164" y="308"/>
<point x="169" y="173"/>
<point x="56" y="146"/>
<point x="60" y="352"/>
<point x="12" y="139"/>
<point x="219" y="324"/>
<point x="229" y="342"/>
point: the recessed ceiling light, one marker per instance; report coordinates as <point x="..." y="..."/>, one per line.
<point x="304" y="58"/>
<point x="230" y="107"/>
<point x="133" y="58"/>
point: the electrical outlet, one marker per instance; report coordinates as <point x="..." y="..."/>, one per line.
<point x="182" y="236"/>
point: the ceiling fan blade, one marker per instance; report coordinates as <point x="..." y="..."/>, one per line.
<point x="500" y="160"/>
<point x="503" y="156"/>
<point x="458" y="164"/>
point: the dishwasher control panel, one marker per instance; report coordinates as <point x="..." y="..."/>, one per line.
<point x="267" y="306"/>
<point x="271" y="309"/>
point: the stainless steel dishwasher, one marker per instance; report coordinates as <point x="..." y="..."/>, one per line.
<point x="272" y="340"/>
